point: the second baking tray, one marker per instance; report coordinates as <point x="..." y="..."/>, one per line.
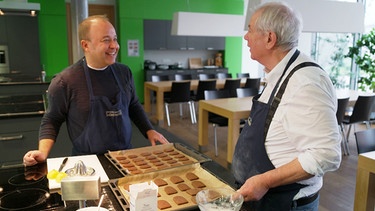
<point x="119" y="186"/>
<point x="154" y="158"/>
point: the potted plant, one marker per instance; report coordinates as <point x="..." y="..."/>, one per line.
<point x="363" y="53"/>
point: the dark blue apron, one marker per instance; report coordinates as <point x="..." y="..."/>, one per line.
<point x="250" y="156"/>
<point x="108" y="125"/>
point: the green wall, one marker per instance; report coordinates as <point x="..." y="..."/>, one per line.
<point x="131" y="13"/>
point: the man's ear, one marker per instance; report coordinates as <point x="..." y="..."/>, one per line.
<point x="272" y="39"/>
<point x="84" y="45"/>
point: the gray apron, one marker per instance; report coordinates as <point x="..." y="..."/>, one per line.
<point x="108" y="125"/>
<point x="250" y="156"/>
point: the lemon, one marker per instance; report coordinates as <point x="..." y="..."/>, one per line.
<point x="60" y="176"/>
<point x="52" y="174"/>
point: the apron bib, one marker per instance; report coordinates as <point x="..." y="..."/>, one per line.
<point x="250" y="157"/>
<point x="108" y="125"/>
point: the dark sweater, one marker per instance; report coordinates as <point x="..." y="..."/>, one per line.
<point x="68" y="99"/>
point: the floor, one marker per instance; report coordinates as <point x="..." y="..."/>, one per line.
<point x="339" y="186"/>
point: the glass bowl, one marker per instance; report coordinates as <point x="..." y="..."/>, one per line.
<point x="223" y="199"/>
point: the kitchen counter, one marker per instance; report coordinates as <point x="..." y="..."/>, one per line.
<point x="54" y="201"/>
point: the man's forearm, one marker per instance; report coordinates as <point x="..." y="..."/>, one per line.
<point x="286" y="174"/>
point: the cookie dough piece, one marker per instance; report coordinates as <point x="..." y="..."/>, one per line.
<point x="176" y="179"/>
<point x="160" y="182"/>
<point x="198" y="184"/>
<point x="121" y="158"/>
<point x="169" y="150"/>
<point x="138" y="159"/>
<point x="191" y="176"/>
<point x="124" y="161"/>
<point x="179" y="200"/>
<point x="144" y="167"/>
<point x="145" y="154"/>
<point x="140" y="163"/>
<point x="193" y="192"/>
<point x="132" y="156"/>
<point x="162" y="204"/>
<point x="171" y="161"/>
<point x="174" y="153"/>
<point x="157" y="152"/>
<point x="162" y="155"/>
<point x="183" y="187"/>
<point x="170" y="190"/>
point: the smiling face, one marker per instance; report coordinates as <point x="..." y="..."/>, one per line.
<point x="101" y="46"/>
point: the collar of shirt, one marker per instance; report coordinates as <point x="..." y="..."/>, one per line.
<point x="273" y="76"/>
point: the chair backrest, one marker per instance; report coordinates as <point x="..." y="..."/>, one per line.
<point x="246" y="92"/>
<point x="362" y="109"/>
<point x="204" y="76"/>
<point x="223" y="75"/>
<point x="243" y="75"/>
<point x="342" y="104"/>
<point x="181" y="77"/>
<point x="216" y="94"/>
<point x="180" y="92"/>
<point x="231" y="85"/>
<point x="252" y="83"/>
<point x="157" y="78"/>
<point x="204" y="85"/>
<point x="365" y="140"/>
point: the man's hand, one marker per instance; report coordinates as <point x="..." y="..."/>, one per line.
<point x="33" y="157"/>
<point x="154" y="137"/>
<point x="254" y="188"/>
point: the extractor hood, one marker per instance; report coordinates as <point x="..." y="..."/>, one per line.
<point x="18" y="7"/>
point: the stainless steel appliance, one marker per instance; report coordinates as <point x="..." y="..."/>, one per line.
<point x="4" y="60"/>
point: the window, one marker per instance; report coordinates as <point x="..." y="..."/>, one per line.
<point x="329" y="50"/>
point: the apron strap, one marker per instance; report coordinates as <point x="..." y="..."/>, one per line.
<point x="280" y="93"/>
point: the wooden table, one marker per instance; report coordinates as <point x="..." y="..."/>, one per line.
<point x="365" y="183"/>
<point x="165" y="86"/>
<point x="232" y="108"/>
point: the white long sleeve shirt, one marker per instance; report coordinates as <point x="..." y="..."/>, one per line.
<point x="304" y="124"/>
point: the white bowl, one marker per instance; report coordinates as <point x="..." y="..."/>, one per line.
<point x="219" y="199"/>
<point x="92" y="209"/>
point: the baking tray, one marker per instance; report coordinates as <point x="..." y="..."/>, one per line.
<point x="154" y="158"/>
<point x="118" y="186"/>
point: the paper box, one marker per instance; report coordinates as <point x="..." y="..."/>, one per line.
<point x="143" y="196"/>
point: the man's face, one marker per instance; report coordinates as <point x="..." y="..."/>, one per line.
<point x="256" y="40"/>
<point x="102" y="47"/>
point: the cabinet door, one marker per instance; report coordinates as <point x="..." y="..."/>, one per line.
<point x="196" y="43"/>
<point x="215" y="43"/>
<point x="155" y="37"/>
<point x="174" y="42"/>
